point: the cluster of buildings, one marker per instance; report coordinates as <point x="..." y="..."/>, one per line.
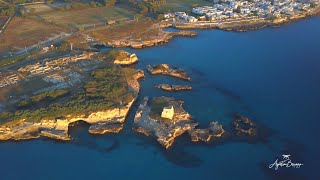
<point x="224" y="9"/>
<point x="182" y="15"/>
<point x="9" y="79"/>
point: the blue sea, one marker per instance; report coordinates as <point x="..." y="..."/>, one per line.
<point x="270" y="75"/>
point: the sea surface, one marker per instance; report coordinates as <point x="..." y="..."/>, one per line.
<point x="270" y="75"/>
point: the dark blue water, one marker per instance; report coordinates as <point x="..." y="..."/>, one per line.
<point x="270" y="75"/>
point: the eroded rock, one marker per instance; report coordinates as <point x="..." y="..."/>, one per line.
<point x="168" y="87"/>
<point x="244" y="126"/>
<point x="149" y="122"/>
<point x="165" y="69"/>
<point x="214" y="130"/>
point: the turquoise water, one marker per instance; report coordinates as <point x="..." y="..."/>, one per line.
<point x="270" y="75"/>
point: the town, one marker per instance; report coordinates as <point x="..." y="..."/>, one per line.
<point x="235" y="9"/>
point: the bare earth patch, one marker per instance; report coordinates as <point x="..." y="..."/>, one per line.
<point x="24" y="32"/>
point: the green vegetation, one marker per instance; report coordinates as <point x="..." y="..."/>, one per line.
<point x="157" y="105"/>
<point x="46" y="96"/>
<point x="49" y="95"/>
<point x="148" y="6"/>
<point x="107" y="89"/>
<point x="7" y="9"/>
<point x="116" y="54"/>
<point x="238" y="10"/>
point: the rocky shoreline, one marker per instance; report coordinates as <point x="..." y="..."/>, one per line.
<point x="165" y="69"/>
<point x="106" y="121"/>
<point x="166" y="130"/>
<point x="160" y="39"/>
<point x="169" y="87"/>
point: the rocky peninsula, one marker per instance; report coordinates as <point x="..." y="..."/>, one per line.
<point x="165" y="69"/>
<point x="149" y="122"/>
<point x="107" y="120"/>
<point x="169" y="87"/>
<point x="160" y="38"/>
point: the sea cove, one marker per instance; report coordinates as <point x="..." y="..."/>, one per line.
<point x="270" y="75"/>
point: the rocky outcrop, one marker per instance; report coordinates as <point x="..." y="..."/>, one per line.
<point x="104" y="121"/>
<point x="149" y="122"/>
<point x="126" y="58"/>
<point x="102" y="128"/>
<point x="168" y="87"/>
<point x="163" y="37"/>
<point x="164" y="130"/>
<point x="214" y="130"/>
<point x="165" y="69"/>
<point x="244" y="126"/>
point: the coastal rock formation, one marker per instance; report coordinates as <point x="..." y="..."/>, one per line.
<point x="165" y="69"/>
<point x="110" y="120"/>
<point x="244" y="126"/>
<point x="162" y="37"/>
<point x="214" y="130"/>
<point x="125" y="58"/>
<point x="102" y="128"/>
<point x="168" y="87"/>
<point x="148" y="121"/>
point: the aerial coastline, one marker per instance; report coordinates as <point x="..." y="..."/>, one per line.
<point x="74" y="59"/>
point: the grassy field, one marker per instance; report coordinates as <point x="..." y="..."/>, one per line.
<point x="183" y="5"/>
<point x="40" y="8"/>
<point x="135" y="30"/>
<point x="48" y="21"/>
<point x="85" y="17"/>
<point x="24" y="32"/>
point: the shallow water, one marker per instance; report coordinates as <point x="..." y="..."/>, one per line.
<point x="270" y="75"/>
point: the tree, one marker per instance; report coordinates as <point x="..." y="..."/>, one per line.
<point x="160" y="17"/>
<point x="238" y="10"/>
<point x="32" y="10"/>
<point x="11" y="9"/>
<point x="137" y="17"/>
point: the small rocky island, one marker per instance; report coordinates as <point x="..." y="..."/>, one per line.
<point x="165" y="69"/>
<point x="166" y="119"/>
<point x="244" y="126"/>
<point x="214" y="130"/>
<point x="169" y="87"/>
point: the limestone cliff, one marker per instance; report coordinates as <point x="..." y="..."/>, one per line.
<point x="109" y="120"/>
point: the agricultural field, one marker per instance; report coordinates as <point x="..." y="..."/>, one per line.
<point x="41" y="8"/>
<point x="24" y="32"/>
<point x="183" y="5"/>
<point x="135" y="30"/>
<point x="74" y="18"/>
